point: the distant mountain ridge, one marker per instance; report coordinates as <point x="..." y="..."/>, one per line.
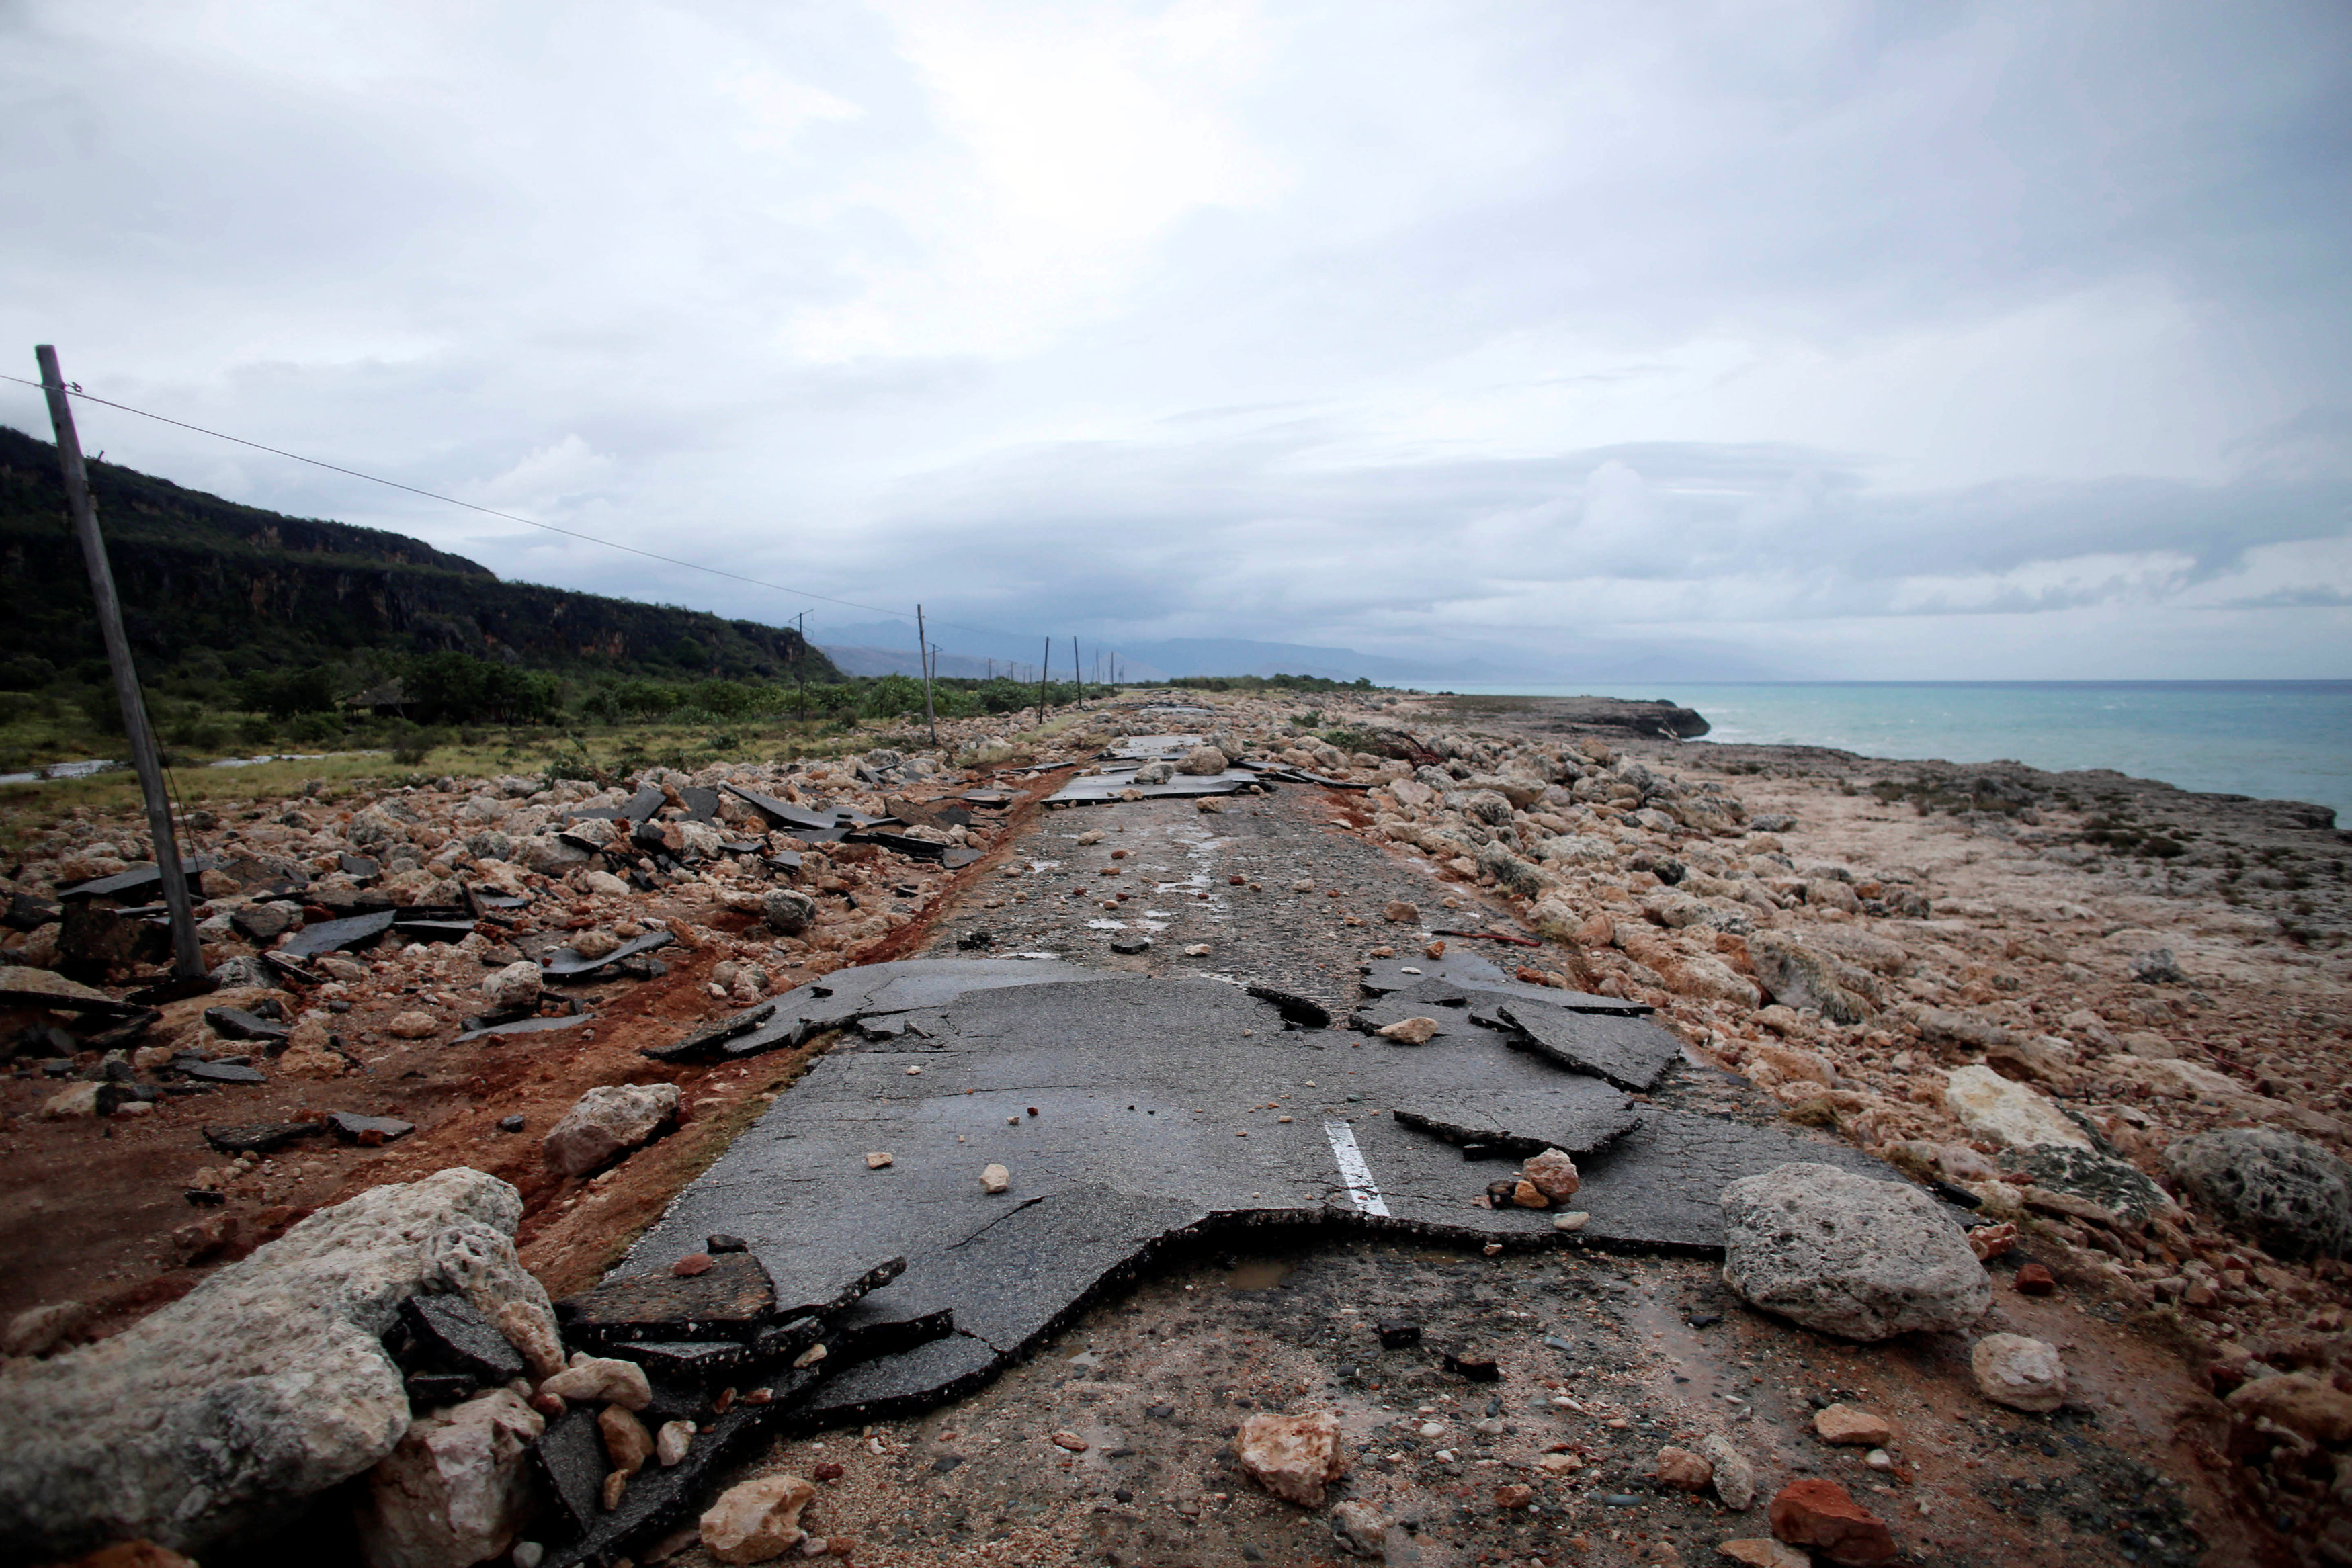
<point x="210" y="582"/>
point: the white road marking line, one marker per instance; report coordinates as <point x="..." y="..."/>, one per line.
<point x="1361" y="1190"/>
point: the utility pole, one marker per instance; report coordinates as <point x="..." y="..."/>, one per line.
<point x="1077" y="672"/>
<point x="1045" y="674"/>
<point x="799" y="666"/>
<point x="188" y="953"/>
<point x="923" y="656"/>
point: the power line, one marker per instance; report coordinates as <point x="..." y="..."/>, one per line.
<point x="73" y="389"/>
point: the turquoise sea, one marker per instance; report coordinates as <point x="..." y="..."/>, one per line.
<point x="2273" y="739"/>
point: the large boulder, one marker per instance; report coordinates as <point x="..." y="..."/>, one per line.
<point x="1204" y="761"/>
<point x="607" y="1122"/>
<point x="2281" y="1189"/>
<point x="458" y="1489"/>
<point x="1838" y="1252"/>
<point x="264" y="1385"/>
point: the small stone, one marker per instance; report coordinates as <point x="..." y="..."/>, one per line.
<point x="1846" y="1425"/>
<point x="1575" y="1219"/>
<point x="672" y="1441"/>
<point x="412" y="1026"/>
<point x="1514" y="1494"/>
<point x="531" y="1330"/>
<point x="594" y="945"/>
<point x="82" y="1099"/>
<point x="1397" y="911"/>
<point x="36" y="1331"/>
<point x="994" y="1179"/>
<point x="516" y="985"/>
<point x="2020" y="1373"/>
<point x="1879" y="1460"/>
<point x="1414" y="1031"/>
<point x="1683" y="1470"/>
<point x="456" y="1487"/>
<point x="1361" y="1528"/>
<point x="1293" y="1456"/>
<point x="1071" y="1441"/>
<point x="1198" y="949"/>
<point x="693" y="1263"/>
<point x="1820" y="1514"/>
<point x="2034" y="1279"/>
<point x="1762" y="1551"/>
<point x="877" y="1160"/>
<point x="787" y="911"/>
<point x="757" y="1520"/>
<point x="601" y="1380"/>
<point x="1554" y="1175"/>
<point x="1525" y="1194"/>
<point x="1735" y="1478"/>
<point x="607" y="1122"/>
<point x="627" y="1443"/>
<point x="617" y="1484"/>
<point x="510" y="1123"/>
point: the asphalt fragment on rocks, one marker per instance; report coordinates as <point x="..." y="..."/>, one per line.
<point x="1144" y="1112"/>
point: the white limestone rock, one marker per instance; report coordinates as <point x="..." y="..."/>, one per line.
<point x="264" y="1385"/>
<point x="516" y="985"/>
<point x="1838" y="1252"/>
<point x="607" y="1122"/>
<point x="1994" y="1108"/>
<point x="458" y="1489"/>
<point x="2020" y="1373"/>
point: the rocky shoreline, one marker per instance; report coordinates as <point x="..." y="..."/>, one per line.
<point x="2108" y="1016"/>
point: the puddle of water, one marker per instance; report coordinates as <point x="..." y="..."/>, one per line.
<point x="60" y="771"/>
<point x="1263" y="1274"/>
<point x="1107" y="925"/>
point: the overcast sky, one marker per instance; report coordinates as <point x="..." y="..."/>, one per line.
<point x="1916" y="340"/>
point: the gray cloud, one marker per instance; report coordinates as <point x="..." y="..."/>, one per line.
<point x="2006" y="340"/>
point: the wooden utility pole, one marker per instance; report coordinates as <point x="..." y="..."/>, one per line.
<point x="799" y="666"/>
<point x="1045" y="674"/>
<point x="1077" y="672"/>
<point x="188" y="953"/>
<point x="923" y="655"/>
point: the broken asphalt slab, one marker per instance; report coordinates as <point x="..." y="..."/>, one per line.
<point x="1133" y="1112"/>
<point x="850" y="996"/>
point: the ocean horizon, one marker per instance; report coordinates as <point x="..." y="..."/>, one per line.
<point x="2288" y="740"/>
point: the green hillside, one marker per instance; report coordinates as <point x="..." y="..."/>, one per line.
<point x="220" y="600"/>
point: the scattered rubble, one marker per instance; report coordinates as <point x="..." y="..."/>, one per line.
<point x="2115" y="1134"/>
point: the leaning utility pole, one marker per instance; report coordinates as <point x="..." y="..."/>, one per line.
<point x="923" y="654"/>
<point x="188" y="953"/>
<point x="1045" y="674"/>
